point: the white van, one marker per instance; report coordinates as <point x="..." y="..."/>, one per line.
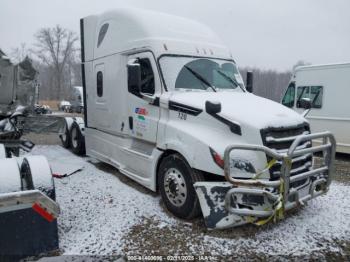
<point x="166" y="105"/>
<point x="327" y="87"/>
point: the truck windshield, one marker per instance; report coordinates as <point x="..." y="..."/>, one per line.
<point x="190" y="73"/>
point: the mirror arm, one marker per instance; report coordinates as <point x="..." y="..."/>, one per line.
<point x="306" y="112"/>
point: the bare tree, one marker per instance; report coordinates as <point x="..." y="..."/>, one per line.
<point x="268" y="83"/>
<point x="54" y="47"/>
<point x="18" y="54"/>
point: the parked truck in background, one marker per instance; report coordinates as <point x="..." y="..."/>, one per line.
<point x="8" y="85"/>
<point x="166" y="105"/>
<point x="327" y="89"/>
<point x="19" y="86"/>
<point x="77" y="101"/>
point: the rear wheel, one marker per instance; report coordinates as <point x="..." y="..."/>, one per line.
<point x="65" y="137"/>
<point x="176" y="179"/>
<point x="77" y="139"/>
<point x="2" y="151"/>
<point x="36" y="174"/>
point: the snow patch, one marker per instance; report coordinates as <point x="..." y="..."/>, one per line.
<point x="316" y="227"/>
<point x="99" y="208"/>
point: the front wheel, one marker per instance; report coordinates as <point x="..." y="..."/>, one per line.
<point x="77" y="139"/>
<point x="176" y="179"/>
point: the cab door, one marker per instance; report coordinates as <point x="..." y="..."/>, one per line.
<point x="143" y="109"/>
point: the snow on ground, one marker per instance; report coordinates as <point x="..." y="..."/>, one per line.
<point x="97" y="208"/>
<point x="320" y="226"/>
<point x="101" y="209"/>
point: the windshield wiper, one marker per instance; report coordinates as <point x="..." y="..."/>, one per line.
<point x="232" y="80"/>
<point x="200" y="78"/>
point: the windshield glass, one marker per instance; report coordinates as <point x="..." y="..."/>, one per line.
<point x="190" y="73"/>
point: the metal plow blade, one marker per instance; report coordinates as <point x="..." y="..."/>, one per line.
<point x="211" y="197"/>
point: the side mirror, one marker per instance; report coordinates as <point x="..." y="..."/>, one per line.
<point x="249" y="82"/>
<point x="134" y="77"/>
<point x="305" y="103"/>
<point x="212" y="108"/>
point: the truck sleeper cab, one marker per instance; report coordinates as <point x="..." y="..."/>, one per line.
<point x="166" y="105"/>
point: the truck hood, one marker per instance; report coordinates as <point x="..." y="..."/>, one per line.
<point x="243" y="108"/>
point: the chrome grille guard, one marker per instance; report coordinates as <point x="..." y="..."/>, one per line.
<point x="258" y="186"/>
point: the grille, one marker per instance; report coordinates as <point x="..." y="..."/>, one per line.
<point x="281" y="139"/>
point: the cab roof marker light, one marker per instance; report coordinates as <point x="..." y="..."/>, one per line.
<point x="217" y="158"/>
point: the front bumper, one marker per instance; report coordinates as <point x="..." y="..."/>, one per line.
<point x="238" y="202"/>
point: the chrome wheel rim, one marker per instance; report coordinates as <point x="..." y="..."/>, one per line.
<point x="175" y="187"/>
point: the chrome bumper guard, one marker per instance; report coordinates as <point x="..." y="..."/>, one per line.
<point x="277" y="195"/>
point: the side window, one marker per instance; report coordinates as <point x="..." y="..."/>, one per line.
<point x="314" y="93"/>
<point x="316" y="96"/>
<point x="99" y="84"/>
<point x="303" y="92"/>
<point x="289" y="97"/>
<point x="147" y="77"/>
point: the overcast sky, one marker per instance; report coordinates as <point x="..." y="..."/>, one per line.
<point x="270" y="34"/>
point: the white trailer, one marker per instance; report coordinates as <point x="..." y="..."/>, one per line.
<point x="166" y="105"/>
<point x="327" y="87"/>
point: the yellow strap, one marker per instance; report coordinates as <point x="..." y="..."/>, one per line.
<point x="278" y="212"/>
<point x="267" y="167"/>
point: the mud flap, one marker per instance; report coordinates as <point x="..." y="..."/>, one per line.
<point x="211" y="197"/>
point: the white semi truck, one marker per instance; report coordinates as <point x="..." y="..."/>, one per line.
<point x="166" y="105"/>
<point x="327" y="89"/>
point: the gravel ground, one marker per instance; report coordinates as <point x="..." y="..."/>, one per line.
<point x="105" y="213"/>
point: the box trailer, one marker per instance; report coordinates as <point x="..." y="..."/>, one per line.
<point x="327" y="87"/>
<point x="166" y="105"/>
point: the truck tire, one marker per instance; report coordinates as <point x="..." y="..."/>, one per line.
<point x="175" y="183"/>
<point x="65" y="136"/>
<point x="3" y="153"/>
<point x="10" y="178"/>
<point x="36" y="174"/>
<point x="77" y="139"/>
